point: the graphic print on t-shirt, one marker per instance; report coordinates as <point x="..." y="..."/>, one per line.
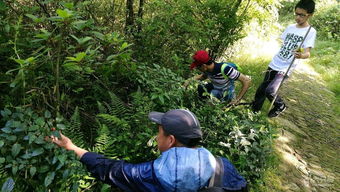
<point x="290" y="44"/>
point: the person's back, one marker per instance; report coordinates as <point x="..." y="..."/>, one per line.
<point x="182" y="166"/>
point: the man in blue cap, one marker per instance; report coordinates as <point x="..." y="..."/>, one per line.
<point x="182" y="167"/>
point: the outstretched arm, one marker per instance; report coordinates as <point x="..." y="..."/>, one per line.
<point x="66" y="143"/>
<point x="246" y="81"/>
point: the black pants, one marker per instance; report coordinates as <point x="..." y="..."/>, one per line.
<point x="268" y="89"/>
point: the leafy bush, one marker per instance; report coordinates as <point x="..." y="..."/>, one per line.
<point x="33" y="163"/>
<point x="243" y="137"/>
<point x="327" y="23"/>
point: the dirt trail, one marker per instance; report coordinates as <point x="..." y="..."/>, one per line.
<point x="309" y="140"/>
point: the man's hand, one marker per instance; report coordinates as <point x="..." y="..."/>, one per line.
<point x="63" y="141"/>
<point x="66" y="143"/>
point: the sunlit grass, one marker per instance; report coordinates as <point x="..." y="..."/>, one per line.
<point x="325" y="60"/>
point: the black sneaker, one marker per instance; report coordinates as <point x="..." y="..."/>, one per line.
<point x="277" y="110"/>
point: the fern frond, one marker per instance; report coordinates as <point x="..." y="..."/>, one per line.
<point x="74" y="130"/>
<point x="101" y="107"/>
<point x="103" y="141"/>
<point x="117" y="106"/>
<point x="114" y="122"/>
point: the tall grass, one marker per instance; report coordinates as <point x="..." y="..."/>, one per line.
<point x="325" y="60"/>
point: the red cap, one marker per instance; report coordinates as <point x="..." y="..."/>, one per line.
<point x="201" y="57"/>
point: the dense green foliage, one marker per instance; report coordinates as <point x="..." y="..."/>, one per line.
<point x="99" y="76"/>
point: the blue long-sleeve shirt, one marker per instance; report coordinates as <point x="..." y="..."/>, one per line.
<point x="178" y="169"/>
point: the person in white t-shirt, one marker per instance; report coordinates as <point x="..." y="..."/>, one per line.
<point x="292" y="38"/>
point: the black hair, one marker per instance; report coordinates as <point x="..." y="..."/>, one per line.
<point x="193" y="142"/>
<point x="210" y="62"/>
<point x="307" y="5"/>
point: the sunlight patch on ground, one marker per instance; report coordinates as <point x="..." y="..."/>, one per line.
<point x="303" y="67"/>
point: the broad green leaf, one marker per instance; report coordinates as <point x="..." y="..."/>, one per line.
<point x="6" y="112"/>
<point x="2" y="143"/>
<point x="34" y="18"/>
<point x="80" y="56"/>
<point x="33" y="170"/>
<point x="61" y="126"/>
<point x="124" y="46"/>
<point x="161" y="99"/>
<point x="33" y="128"/>
<point x="68" y="5"/>
<point x="39" y="140"/>
<point x="99" y="35"/>
<point x="84" y="40"/>
<point x="47" y="114"/>
<point x="40" y="121"/>
<point x="49" y="178"/>
<point x="19" y="61"/>
<point x="64" y="13"/>
<point x="2" y="160"/>
<point x="31" y="138"/>
<point x="37" y="152"/>
<point x="8" y="186"/>
<point x="26" y="156"/>
<point x="6" y="130"/>
<point x="62" y="158"/>
<point x="14" y="169"/>
<point x="16" y="149"/>
<point x="12" y="138"/>
<point x="43" y="169"/>
<point x="72" y="67"/>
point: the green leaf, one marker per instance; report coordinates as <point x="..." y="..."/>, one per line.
<point x="16" y="149"/>
<point x="14" y="169"/>
<point x="62" y="158"/>
<point x="124" y="46"/>
<point x="33" y="128"/>
<point x="61" y="126"/>
<point x="2" y="143"/>
<point x="64" y="13"/>
<point x="2" y="160"/>
<point x="43" y="169"/>
<point x="39" y="140"/>
<point x="33" y="170"/>
<point x="31" y="138"/>
<point x="37" y="152"/>
<point x="6" y="130"/>
<point x="99" y="35"/>
<point x="34" y="18"/>
<point x="12" y="138"/>
<point x="26" y="156"/>
<point x="40" y="121"/>
<point x="49" y="178"/>
<point x="72" y="67"/>
<point x="6" y="112"/>
<point x="47" y="114"/>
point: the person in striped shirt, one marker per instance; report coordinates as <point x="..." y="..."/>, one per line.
<point x="221" y="76"/>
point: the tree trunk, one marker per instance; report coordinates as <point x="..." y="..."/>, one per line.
<point x="140" y="14"/>
<point x="129" y="16"/>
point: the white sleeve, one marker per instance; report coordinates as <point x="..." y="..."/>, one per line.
<point x="310" y="39"/>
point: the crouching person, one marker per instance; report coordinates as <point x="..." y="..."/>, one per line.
<point x="182" y="166"/>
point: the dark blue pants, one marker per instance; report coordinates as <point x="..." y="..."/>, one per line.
<point x="268" y="89"/>
<point x="223" y="95"/>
